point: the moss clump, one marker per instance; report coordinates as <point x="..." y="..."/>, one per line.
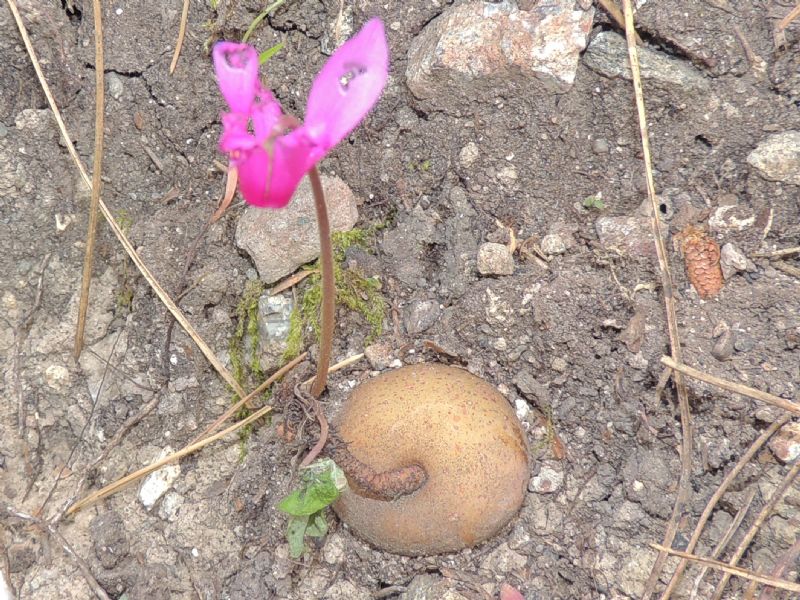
<point x="358" y="293"/>
<point x="243" y="350"/>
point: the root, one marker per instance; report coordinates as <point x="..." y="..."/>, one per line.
<point x="365" y="481"/>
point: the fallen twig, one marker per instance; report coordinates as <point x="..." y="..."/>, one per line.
<point x="787" y="20"/>
<point x="616" y="15"/>
<point x="712" y="502"/>
<point x="730" y="386"/>
<point x="789" y="557"/>
<point x="181" y="33"/>
<point x="788" y="480"/>
<point x="731" y="570"/>
<point x="778" y="253"/>
<point x="684" y="483"/>
<point x="97" y="171"/>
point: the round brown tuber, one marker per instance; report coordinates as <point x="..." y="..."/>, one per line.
<point x="449" y="435"/>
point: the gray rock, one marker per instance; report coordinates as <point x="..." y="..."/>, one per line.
<point x="420" y="315"/>
<point x="495" y="259"/>
<point x="346" y="590"/>
<point x="548" y="480"/>
<point x="730" y="218"/>
<point x="379" y="355"/>
<point x="468" y="155"/>
<point x="503" y="560"/>
<point x="632" y="236"/>
<point x="429" y="587"/>
<point x="274" y="319"/>
<point x="477" y="46"/>
<point x="732" y="260"/>
<point x="608" y="55"/>
<point x="600" y="146"/>
<point x="785" y="444"/>
<point x="405" y="244"/>
<point x="553" y="244"/>
<point x="109" y="538"/>
<point x="115" y="85"/>
<point x="777" y="158"/>
<point x="280" y="241"/>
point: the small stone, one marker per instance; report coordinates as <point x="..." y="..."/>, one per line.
<point x="744" y="343"/>
<point x="785" y="444"/>
<point x="632" y="236"/>
<point x="503" y="560"/>
<point x="468" y="155"/>
<point x="607" y="55"/>
<point x="507" y="175"/>
<point x="115" y="85"/>
<point x="495" y="259"/>
<point x="280" y="241"/>
<point x="429" y="587"/>
<point x="379" y="355"/>
<point x="553" y="244"/>
<point x="724" y="346"/>
<point x="522" y="409"/>
<point x="157" y="483"/>
<point x="778" y="157"/>
<point x="420" y="315"/>
<point x="274" y="321"/>
<point x="170" y="506"/>
<point x="548" y="480"/>
<point x="600" y="146"/>
<point x="346" y="590"/>
<point x="732" y="260"/>
<point x="730" y="219"/>
<point x="57" y="377"/>
<point x="500" y="344"/>
<point x="559" y="364"/>
<point x="333" y="550"/>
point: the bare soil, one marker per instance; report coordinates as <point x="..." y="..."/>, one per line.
<point x="574" y="343"/>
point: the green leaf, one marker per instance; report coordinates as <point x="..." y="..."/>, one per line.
<point x="595" y="202"/>
<point x="317" y="525"/>
<point x="295" y="533"/>
<point x="260" y="18"/>
<point x="270" y="52"/>
<point x="312" y="498"/>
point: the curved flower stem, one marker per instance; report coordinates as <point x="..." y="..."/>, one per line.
<point x="328" y="285"/>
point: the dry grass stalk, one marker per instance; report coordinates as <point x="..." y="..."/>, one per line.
<point x="616" y="15"/>
<point x="787" y="20"/>
<point x="778" y="253"/>
<point x="712" y="502"/>
<point x="669" y="302"/>
<point x="730" y="386"/>
<point x="788" y="480"/>
<point x="726" y="538"/>
<point x="123" y="239"/>
<point x="97" y="170"/>
<point x="136" y="475"/>
<point x="731" y="570"/>
<point x="181" y="34"/>
<point x="242" y="401"/>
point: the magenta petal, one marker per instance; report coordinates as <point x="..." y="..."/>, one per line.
<point x="253" y="176"/>
<point x="266" y="114"/>
<point x="236" y="66"/>
<point x="348" y="86"/>
<point x="235" y="136"/>
<point x="293" y="155"/>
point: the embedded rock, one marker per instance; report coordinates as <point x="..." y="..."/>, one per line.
<point x="476" y="46"/>
<point x="280" y="241"/>
<point x="778" y="157"/>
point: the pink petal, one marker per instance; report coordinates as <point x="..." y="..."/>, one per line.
<point x="235" y="137"/>
<point x="508" y="592"/>
<point x="271" y="181"/>
<point x="266" y="114"/>
<point x="348" y="86"/>
<point x="236" y="66"/>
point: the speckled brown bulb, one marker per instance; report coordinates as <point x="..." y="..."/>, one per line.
<point x="465" y="436"/>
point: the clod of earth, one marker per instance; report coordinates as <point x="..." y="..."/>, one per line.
<point x="436" y="460"/>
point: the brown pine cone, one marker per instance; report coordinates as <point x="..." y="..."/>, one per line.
<point x="701" y="254"/>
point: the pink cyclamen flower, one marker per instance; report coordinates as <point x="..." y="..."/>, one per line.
<point x="269" y="152"/>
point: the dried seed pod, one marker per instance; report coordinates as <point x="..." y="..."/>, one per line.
<point x="702" y="254"/>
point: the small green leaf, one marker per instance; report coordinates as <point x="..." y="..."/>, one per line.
<point x="314" y="498"/>
<point x="595" y="202"/>
<point x="270" y="52"/>
<point x="295" y="533"/>
<point x="317" y="525"/>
